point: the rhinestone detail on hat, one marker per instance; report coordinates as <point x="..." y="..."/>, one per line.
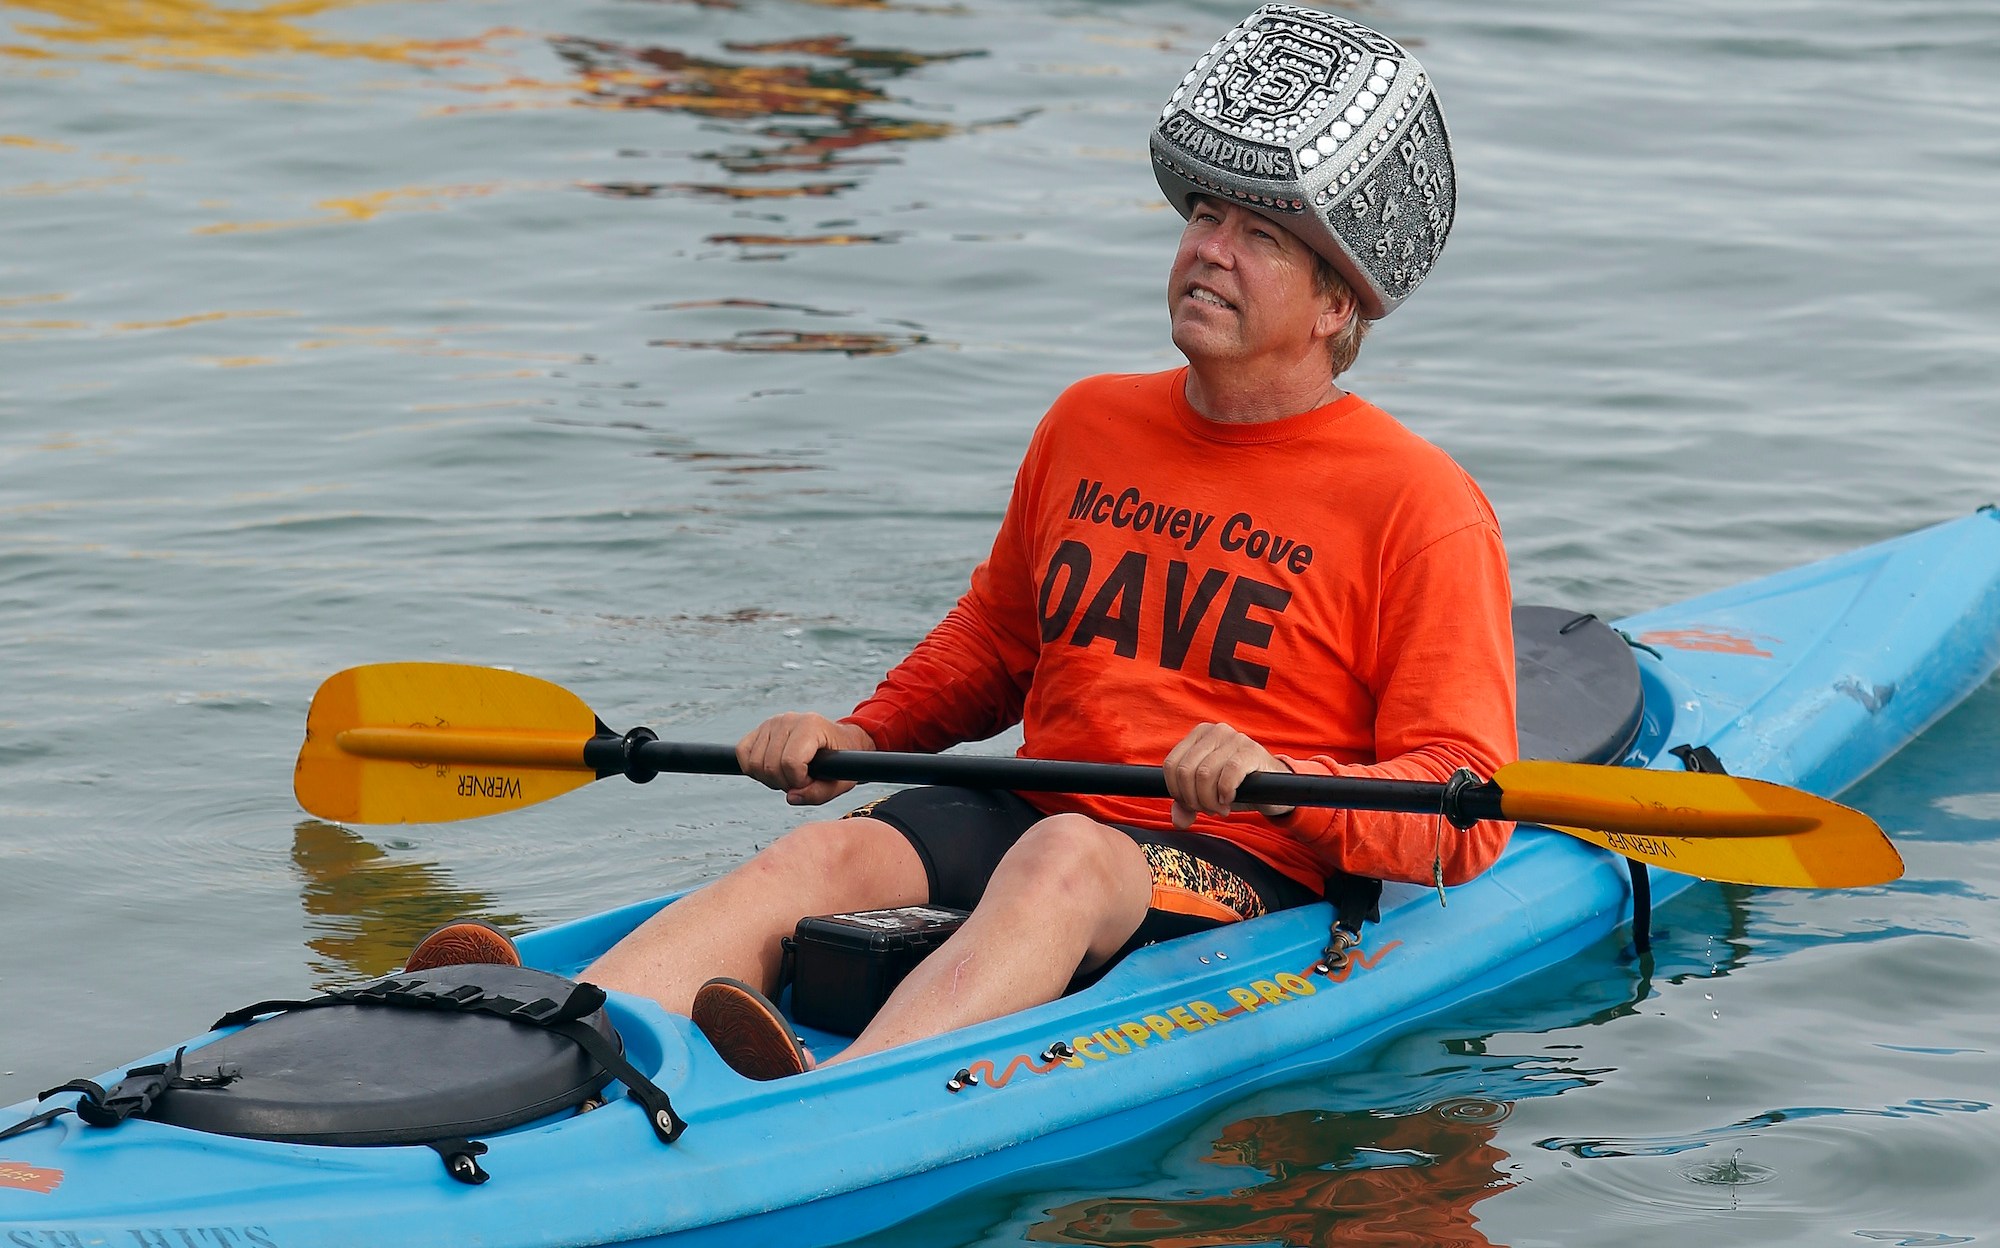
<point x="1269" y="84"/>
<point x="1276" y="81"/>
<point x="1215" y="188"/>
<point x="1302" y="110"/>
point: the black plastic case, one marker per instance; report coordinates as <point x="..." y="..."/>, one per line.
<point x="846" y="965"/>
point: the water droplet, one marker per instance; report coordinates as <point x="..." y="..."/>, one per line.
<point x="1729" y="1173"/>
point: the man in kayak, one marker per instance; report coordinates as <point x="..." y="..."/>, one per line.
<point x="1233" y="567"/>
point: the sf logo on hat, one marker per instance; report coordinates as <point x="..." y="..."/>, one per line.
<point x="1274" y="79"/>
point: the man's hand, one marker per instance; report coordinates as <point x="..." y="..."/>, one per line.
<point x="776" y="753"/>
<point x="1205" y="768"/>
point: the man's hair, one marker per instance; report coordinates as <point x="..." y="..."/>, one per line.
<point x="1345" y="345"/>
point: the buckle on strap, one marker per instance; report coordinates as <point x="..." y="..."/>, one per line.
<point x="130" y="1097"/>
<point x="1356" y="900"/>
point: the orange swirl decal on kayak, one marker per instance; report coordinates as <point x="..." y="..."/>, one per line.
<point x="1708" y="640"/>
<point x="29" y="1178"/>
<point x="983" y="1069"/>
<point x="1120" y="1039"/>
<point x="1359" y="959"/>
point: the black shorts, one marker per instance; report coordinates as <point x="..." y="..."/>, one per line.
<point x="1199" y="882"/>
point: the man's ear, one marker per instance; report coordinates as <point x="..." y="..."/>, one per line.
<point x="1336" y="310"/>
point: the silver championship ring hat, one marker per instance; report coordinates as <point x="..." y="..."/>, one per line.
<point x="1327" y="128"/>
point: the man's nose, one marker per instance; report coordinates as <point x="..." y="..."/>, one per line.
<point x="1218" y="247"/>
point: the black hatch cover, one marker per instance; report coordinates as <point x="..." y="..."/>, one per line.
<point x="1577" y="687"/>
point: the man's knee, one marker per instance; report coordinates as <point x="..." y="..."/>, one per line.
<point x="1074" y="855"/>
<point x="832" y="850"/>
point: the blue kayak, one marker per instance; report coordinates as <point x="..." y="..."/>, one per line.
<point x="1811" y="678"/>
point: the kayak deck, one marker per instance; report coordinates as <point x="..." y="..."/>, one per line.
<point x="1811" y="677"/>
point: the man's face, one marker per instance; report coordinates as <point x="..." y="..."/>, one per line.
<point x="1242" y="289"/>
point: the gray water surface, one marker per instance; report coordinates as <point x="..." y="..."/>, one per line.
<point x="681" y="352"/>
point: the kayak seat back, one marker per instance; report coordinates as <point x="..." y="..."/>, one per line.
<point x="1577" y="691"/>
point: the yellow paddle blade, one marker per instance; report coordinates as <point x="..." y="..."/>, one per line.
<point x="434" y="742"/>
<point x="1716" y="827"/>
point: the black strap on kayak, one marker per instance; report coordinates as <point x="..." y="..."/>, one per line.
<point x="1356" y="899"/>
<point x="42" y="1119"/>
<point x="130" y="1097"/>
<point x="1642" y="906"/>
<point x="1696" y="758"/>
<point x="788" y="962"/>
<point x="565" y="1018"/>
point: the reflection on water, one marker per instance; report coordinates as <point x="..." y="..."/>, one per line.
<point x="767" y="341"/>
<point x="191" y="34"/>
<point x="801" y="119"/>
<point x="818" y="110"/>
<point x="15" y="328"/>
<point x="1347" y="1178"/>
<point x="347" y="209"/>
<point x="788" y="241"/>
<point x="809" y="115"/>
<point x="1669" y="1145"/>
<point x="365" y="909"/>
<point x="1391" y="1178"/>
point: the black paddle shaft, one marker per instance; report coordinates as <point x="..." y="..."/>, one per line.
<point x="641" y="757"/>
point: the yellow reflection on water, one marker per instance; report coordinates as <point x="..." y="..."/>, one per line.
<point x="74" y="185"/>
<point x="19" y="328"/>
<point x="43" y="324"/>
<point x="1335" y="1179"/>
<point x="200" y="318"/>
<point x="345" y="209"/>
<point x="187" y="34"/>
<point x="366" y="910"/>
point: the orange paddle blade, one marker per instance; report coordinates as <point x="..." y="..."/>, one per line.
<point x="1716" y="827"/>
<point x="434" y="742"/>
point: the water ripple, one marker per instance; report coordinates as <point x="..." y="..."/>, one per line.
<point x="1665" y="1146"/>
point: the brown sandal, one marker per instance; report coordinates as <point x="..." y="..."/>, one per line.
<point x="747" y="1030"/>
<point x="466" y="942"/>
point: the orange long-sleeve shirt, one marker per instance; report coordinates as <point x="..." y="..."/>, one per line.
<point x="1330" y="584"/>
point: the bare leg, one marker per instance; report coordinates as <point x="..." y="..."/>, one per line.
<point x="732" y="927"/>
<point x="1068" y="895"/>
